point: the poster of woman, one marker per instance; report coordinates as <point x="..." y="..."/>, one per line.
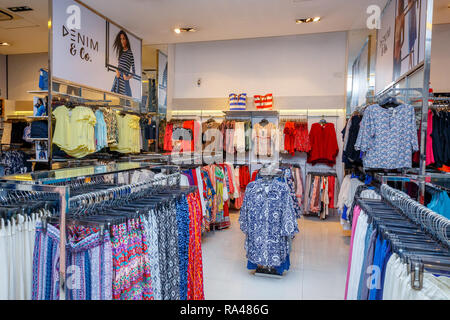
<point x="407" y="35"/>
<point x="124" y="53"/>
<point x="124" y="62"/>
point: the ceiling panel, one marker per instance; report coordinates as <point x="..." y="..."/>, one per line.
<point x="154" y="20"/>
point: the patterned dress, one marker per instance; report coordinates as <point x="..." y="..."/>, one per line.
<point x="268" y="220"/>
<point x="195" y="267"/>
<point x="131" y="265"/>
<point x="208" y="195"/>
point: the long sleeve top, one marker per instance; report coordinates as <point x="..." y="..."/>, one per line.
<point x="388" y="137"/>
<point x="268" y="220"/>
<point x="324" y="146"/>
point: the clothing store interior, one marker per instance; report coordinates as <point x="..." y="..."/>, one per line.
<point x="224" y="150"/>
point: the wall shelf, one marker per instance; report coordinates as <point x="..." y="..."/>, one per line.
<point x="40" y="92"/>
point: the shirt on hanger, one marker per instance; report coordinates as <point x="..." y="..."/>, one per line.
<point x="388" y="137"/>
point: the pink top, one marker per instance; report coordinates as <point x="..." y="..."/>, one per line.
<point x="356" y="213"/>
<point x="429" y="152"/>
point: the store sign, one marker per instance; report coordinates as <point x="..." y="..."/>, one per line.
<point x="92" y="52"/>
<point x="400" y="41"/>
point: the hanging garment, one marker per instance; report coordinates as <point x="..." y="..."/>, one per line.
<point x="46" y="263"/>
<point x="150" y="224"/>
<point x="351" y="156"/>
<point x="208" y="194"/>
<point x="168" y="240"/>
<point x="331" y="188"/>
<point x="182" y="212"/>
<point x="101" y="135"/>
<point x="264" y="139"/>
<point x="289" y="179"/>
<point x="324" y="146"/>
<point x="239" y="137"/>
<point x="268" y="220"/>
<point x="299" y="186"/>
<point x="131" y="265"/>
<point x="301" y="140"/>
<point x="388" y="137"/>
<point x="281" y="136"/>
<point x="244" y="177"/>
<point x="89" y="261"/>
<point x="289" y="138"/>
<point x="112" y="130"/>
<point x="199" y="184"/>
<point x="129" y="134"/>
<point x="195" y="290"/>
<point x="74" y="130"/>
<point x="168" y="145"/>
<point x="315" y="197"/>
<point x="213" y="140"/>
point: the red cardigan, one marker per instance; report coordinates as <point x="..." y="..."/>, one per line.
<point x="324" y="146"/>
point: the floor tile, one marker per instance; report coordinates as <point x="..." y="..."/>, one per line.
<point x="319" y="260"/>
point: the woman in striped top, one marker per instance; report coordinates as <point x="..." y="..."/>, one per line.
<point x="126" y="62"/>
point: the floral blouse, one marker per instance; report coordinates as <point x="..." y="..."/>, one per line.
<point x="388" y="137"/>
<point x="269" y="220"/>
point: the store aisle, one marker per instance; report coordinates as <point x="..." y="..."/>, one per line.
<point x="318" y="265"/>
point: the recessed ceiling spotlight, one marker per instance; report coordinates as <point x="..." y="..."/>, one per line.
<point x="20" y="9"/>
<point x="4" y="44"/>
<point x="187" y="29"/>
<point x="307" y="20"/>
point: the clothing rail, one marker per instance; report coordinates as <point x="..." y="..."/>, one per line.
<point x="63" y="195"/>
<point x="322" y="173"/>
<point x="436" y="224"/>
<point x="84" y="201"/>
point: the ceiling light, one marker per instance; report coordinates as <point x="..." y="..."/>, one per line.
<point x="20" y="9"/>
<point x="308" y="20"/>
<point x="5" y="44"/>
<point x="187" y="29"/>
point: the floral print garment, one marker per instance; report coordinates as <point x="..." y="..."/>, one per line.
<point x="268" y="220"/>
<point x="131" y="265"/>
<point x="195" y="267"/>
<point x="388" y="137"/>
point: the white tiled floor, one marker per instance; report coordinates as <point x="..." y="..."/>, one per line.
<point x="318" y="269"/>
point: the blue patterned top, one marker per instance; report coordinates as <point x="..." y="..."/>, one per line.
<point x="388" y="137"/>
<point x="268" y="219"/>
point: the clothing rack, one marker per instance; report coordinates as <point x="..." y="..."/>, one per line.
<point x="84" y="201"/>
<point x="433" y="224"/>
<point x="322" y="173"/>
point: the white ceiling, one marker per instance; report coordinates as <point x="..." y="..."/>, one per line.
<point x="154" y="20"/>
<point x="29" y="33"/>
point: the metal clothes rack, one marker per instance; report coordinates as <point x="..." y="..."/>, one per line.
<point x="427" y="221"/>
<point x="61" y="187"/>
<point x="430" y="180"/>
<point x="322" y="173"/>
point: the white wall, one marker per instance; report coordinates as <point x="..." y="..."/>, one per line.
<point x="309" y="66"/>
<point x="23" y="74"/>
<point x="440" y="58"/>
<point x="304" y="71"/>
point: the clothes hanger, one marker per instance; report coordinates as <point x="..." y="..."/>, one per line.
<point x="389" y="102"/>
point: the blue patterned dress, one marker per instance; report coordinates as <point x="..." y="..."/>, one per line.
<point x="268" y="220"/>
